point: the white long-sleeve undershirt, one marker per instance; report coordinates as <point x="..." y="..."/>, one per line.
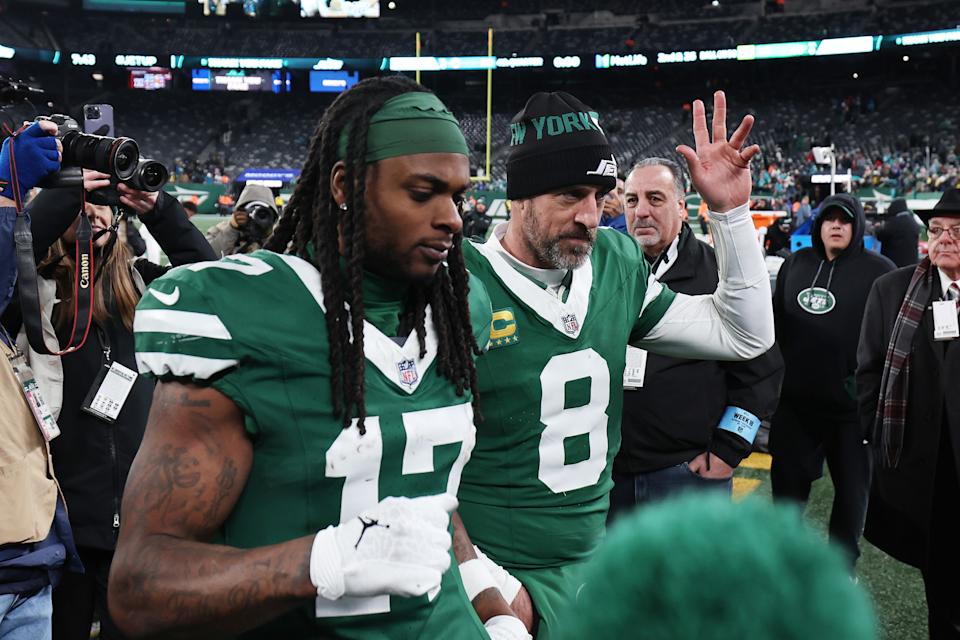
<point x="733" y="323"/>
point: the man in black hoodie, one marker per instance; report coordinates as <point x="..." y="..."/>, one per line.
<point x="818" y="305"/>
<point x="899" y="234"/>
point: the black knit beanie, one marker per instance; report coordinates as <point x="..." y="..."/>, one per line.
<point x="556" y="141"/>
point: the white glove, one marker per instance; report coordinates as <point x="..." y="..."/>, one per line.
<point x="508" y="585"/>
<point x="506" y="628"/>
<point x="400" y="546"/>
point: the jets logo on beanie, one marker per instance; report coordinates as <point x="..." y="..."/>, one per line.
<point x="556" y="141"/>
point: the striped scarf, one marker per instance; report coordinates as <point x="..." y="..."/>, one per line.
<point x="895" y="383"/>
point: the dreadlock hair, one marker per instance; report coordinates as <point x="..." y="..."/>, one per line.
<point x="311" y="228"/>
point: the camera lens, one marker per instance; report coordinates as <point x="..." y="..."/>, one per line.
<point x="124" y="156"/>
<point x="116" y="156"/>
<point x="91" y="112"/>
<point x="149" y="175"/>
<point x="122" y="161"/>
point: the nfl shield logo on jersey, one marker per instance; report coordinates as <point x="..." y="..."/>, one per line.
<point x="408" y="372"/>
<point x="570" y="323"/>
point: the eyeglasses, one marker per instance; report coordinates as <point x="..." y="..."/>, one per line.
<point x="953" y="232"/>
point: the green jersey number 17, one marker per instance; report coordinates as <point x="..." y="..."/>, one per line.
<point x="357" y="459"/>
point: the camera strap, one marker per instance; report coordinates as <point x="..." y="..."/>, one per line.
<point x="27" y="275"/>
<point x="29" y="290"/>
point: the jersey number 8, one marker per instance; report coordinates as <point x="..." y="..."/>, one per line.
<point x="562" y="423"/>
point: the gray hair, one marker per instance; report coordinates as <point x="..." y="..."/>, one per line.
<point x="679" y="176"/>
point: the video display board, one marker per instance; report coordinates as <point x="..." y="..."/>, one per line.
<point x="288" y="8"/>
<point x="150" y="79"/>
<point x="240" y="80"/>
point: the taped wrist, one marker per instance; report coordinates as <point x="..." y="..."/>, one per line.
<point x="475" y="577"/>
<point x="506" y="628"/>
<point x="508" y="585"/>
<point x="326" y="565"/>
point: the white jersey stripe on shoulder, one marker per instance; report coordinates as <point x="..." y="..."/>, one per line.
<point x="247" y="265"/>
<point x="307" y="274"/>
<point x="189" y="323"/>
<point x="177" y="364"/>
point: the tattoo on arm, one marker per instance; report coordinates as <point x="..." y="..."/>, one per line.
<point x="166" y="578"/>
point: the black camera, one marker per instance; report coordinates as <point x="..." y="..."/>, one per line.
<point x="118" y="157"/>
<point x="260" y="221"/>
<point x="149" y="175"/>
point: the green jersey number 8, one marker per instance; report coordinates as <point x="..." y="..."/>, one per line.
<point x="562" y="423"/>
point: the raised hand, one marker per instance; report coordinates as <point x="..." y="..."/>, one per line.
<point x="719" y="169"/>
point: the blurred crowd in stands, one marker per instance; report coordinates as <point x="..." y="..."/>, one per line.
<point x="538" y="28"/>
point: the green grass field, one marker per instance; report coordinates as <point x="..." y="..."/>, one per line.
<point x="897" y="589"/>
<point x="205" y="221"/>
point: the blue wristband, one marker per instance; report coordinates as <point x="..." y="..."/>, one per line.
<point x="741" y="422"/>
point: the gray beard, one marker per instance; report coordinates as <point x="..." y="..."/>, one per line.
<point x="548" y="251"/>
<point x="556" y="258"/>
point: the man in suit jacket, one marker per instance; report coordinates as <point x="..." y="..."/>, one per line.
<point x="909" y="384"/>
<point x="673" y="443"/>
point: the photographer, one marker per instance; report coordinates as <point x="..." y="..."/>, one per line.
<point x="93" y="454"/>
<point x="36" y="545"/>
<point x="251" y="222"/>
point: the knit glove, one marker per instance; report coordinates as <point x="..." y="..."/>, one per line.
<point x="35" y="152"/>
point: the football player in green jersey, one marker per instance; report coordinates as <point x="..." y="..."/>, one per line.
<point x="567" y="299"/>
<point x="315" y="407"/>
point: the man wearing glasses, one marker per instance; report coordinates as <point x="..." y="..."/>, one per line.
<point x="909" y="385"/>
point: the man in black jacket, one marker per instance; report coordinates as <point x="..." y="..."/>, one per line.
<point x="687" y="424"/>
<point x="916" y="427"/>
<point x="818" y="305"/>
<point x="899" y="234"/>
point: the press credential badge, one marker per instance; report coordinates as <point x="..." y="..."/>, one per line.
<point x="31" y="391"/>
<point x="945" y="326"/>
<point x="636" y="368"/>
<point x="117" y="380"/>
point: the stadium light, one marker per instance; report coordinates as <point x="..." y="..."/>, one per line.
<point x="824" y="156"/>
<point x="856" y="75"/>
<point x="97" y="76"/>
<point x="906" y="58"/>
<point x="391" y="5"/>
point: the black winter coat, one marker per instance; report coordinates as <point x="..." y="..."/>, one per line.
<point x="898" y="238"/>
<point x="674" y="417"/>
<point x="899" y="512"/>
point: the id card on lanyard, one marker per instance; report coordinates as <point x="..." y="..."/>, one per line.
<point x="945" y="324"/>
<point x="111" y="387"/>
<point x="31" y="391"/>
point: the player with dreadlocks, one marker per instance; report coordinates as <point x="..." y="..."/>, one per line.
<point x="329" y="389"/>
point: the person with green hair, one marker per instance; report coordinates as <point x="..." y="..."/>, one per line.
<point x="316" y="401"/>
<point x="703" y="567"/>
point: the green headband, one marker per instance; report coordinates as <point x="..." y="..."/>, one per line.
<point x="415" y="122"/>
